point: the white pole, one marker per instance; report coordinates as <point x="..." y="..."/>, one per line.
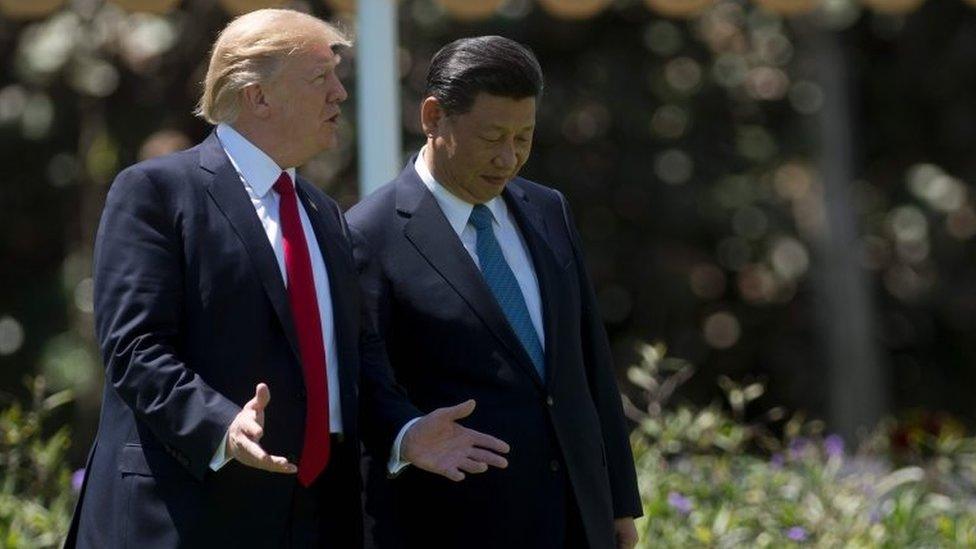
<point x="377" y="94"/>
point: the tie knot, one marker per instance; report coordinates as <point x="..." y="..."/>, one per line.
<point x="481" y="217"/>
<point x="283" y="185"/>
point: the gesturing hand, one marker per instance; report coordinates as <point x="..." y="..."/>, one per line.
<point x="437" y="443"/>
<point x="246" y="431"/>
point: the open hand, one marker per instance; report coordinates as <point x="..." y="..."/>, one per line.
<point x="246" y="431"/>
<point x="438" y="444"/>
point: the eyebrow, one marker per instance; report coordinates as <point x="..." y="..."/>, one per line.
<point x="326" y="66"/>
<point x="505" y="128"/>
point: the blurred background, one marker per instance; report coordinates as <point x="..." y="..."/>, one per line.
<point x="775" y="192"/>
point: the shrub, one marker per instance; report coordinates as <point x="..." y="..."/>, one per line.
<point x="710" y="478"/>
<point x="36" y="492"/>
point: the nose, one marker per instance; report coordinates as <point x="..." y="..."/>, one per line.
<point x="506" y="157"/>
<point x="337" y="93"/>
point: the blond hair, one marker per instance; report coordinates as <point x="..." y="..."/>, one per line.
<point x="250" y="50"/>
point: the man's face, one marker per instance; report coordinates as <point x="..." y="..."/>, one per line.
<point x="304" y="98"/>
<point x="476" y="153"/>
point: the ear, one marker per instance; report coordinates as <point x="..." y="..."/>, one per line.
<point x="255" y="101"/>
<point x="432" y="115"/>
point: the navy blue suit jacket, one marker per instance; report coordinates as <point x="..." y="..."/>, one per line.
<point x="191" y="313"/>
<point x="448" y="340"/>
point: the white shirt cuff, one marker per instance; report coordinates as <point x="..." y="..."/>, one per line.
<point x="220" y="456"/>
<point x="396" y="463"/>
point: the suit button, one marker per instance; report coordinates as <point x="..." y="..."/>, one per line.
<point x="554" y="465"/>
<point x="301" y="394"/>
<point x="549" y="401"/>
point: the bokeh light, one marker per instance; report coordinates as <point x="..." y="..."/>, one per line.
<point x="663" y="38"/>
<point x="721" y="330"/>
<point x="670" y="121"/>
<point x="806" y="97"/>
<point x="789" y="7"/>
<point x="679" y="8"/>
<point x="466" y="10"/>
<point x="148" y="6"/>
<point x="239" y="7"/>
<point x="789" y="258"/>
<point x="707" y="281"/>
<point x="674" y="166"/>
<point x="11" y="335"/>
<point x="893" y="7"/>
<point x="19" y="10"/>
<point x="574" y="9"/>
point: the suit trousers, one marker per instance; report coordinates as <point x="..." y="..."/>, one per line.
<point x="328" y="514"/>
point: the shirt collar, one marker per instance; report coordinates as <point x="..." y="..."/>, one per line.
<point x="255" y="167"/>
<point x="456" y="210"/>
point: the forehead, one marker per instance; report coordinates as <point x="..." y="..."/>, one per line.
<point x="318" y="54"/>
<point x="495" y="110"/>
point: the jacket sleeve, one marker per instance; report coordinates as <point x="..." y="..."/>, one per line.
<point x="598" y="362"/>
<point x="138" y="279"/>
<point x="384" y="405"/>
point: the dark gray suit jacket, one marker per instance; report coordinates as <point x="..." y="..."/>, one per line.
<point x="191" y="313"/>
<point x="448" y="341"/>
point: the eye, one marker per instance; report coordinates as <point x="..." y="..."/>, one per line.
<point x="492" y="138"/>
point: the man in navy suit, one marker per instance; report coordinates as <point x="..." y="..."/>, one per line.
<point x="221" y="279"/>
<point x="476" y="280"/>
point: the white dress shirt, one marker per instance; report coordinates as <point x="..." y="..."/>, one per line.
<point x="258" y="173"/>
<point x="458" y="213"/>
<point x="509" y="237"/>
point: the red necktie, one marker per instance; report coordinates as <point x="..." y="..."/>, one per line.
<point x="308" y="324"/>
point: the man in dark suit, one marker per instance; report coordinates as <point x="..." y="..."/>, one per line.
<point x="476" y="280"/>
<point x="220" y="280"/>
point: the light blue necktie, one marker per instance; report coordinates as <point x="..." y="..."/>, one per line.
<point x="503" y="284"/>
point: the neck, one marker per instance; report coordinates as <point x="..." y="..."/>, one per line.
<point x="275" y="148"/>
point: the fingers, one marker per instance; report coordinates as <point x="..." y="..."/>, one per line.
<point x="489" y="442"/>
<point x="469" y="465"/>
<point x="253" y="455"/>
<point x="253" y="430"/>
<point x="459" y="411"/>
<point x="262" y="395"/>
<point x="453" y="474"/>
<point x="278" y="464"/>
<point x="489" y="458"/>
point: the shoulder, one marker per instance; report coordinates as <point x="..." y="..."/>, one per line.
<point x="547" y="198"/>
<point x="318" y="196"/>
<point x="162" y="177"/>
<point x="374" y="210"/>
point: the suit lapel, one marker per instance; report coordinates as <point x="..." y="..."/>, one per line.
<point x="329" y="237"/>
<point x="534" y="231"/>
<point x="430" y="233"/>
<point x="228" y="193"/>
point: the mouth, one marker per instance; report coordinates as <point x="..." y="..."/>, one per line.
<point x="334" y="119"/>
<point x="495" y="180"/>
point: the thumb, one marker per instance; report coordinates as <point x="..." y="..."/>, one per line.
<point x="262" y="395"/>
<point x="460" y="411"/>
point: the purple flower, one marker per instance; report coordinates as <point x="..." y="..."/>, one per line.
<point x="834" y="446"/>
<point x="679" y="503"/>
<point x="797" y="447"/>
<point x="77" y="479"/>
<point x="797" y="533"/>
<point x="777" y="461"/>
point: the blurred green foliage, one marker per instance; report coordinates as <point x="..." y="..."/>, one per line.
<point x="710" y="479"/>
<point x="36" y="492"/>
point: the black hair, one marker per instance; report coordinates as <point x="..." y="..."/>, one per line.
<point x="491" y="64"/>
